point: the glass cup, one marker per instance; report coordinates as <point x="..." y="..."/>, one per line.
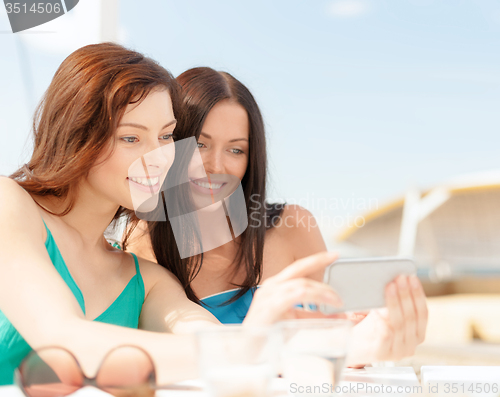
<point x="238" y="361"/>
<point x="313" y="355"/>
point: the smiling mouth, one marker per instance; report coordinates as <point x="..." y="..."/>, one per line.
<point x="208" y="185"/>
<point x="145" y="181"/>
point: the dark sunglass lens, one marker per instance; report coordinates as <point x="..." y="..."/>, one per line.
<point x="50" y="372"/>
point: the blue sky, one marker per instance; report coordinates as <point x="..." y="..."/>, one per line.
<point x="362" y="99"/>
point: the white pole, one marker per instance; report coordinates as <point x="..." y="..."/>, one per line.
<point x="409" y="223"/>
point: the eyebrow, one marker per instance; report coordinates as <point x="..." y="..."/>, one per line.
<point x="142" y="127"/>
<point x="232" y="140"/>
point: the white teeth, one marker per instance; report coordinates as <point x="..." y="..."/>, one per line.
<point x="145" y="181"/>
<point x="207" y="185"/>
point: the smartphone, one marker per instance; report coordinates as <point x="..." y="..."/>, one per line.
<point x="361" y="283"/>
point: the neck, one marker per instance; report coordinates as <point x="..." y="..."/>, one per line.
<point x="89" y="216"/>
<point x="221" y="259"/>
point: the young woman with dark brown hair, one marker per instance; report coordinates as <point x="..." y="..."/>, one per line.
<point x="225" y="119"/>
<point x="106" y="108"/>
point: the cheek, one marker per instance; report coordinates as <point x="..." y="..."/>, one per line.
<point x="113" y="170"/>
<point x="236" y="165"/>
<point x="118" y="168"/>
<point x="241" y="167"/>
<point x="196" y="167"/>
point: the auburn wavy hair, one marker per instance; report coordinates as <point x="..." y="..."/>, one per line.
<point x="79" y="113"/>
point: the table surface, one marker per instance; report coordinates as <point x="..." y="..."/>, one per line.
<point x="451" y="373"/>
<point x="393" y="376"/>
<point x="473" y="381"/>
<point x="404" y="376"/>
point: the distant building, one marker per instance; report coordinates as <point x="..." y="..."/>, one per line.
<point x="452" y="229"/>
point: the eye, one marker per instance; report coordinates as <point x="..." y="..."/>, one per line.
<point x="200" y="145"/>
<point x="166" y="137"/>
<point x="129" y="139"/>
<point x="236" y="151"/>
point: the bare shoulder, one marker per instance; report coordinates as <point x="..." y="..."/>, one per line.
<point x="17" y="207"/>
<point x="14" y="195"/>
<point x="10" y="188"/>
<point x="153" y="274"/>
<point x="295" y="236"/>
<point x="295" y="222"/>
<point x="295" y="213"/>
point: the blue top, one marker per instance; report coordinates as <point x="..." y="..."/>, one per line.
<point x="233" y="313"/>
<point x="124" y="311"/>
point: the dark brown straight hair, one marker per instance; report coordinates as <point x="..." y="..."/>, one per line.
<point x="202" y="89"/>
<point x="79" y="113"/>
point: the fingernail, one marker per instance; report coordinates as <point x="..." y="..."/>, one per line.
<point x="415" y="282"/>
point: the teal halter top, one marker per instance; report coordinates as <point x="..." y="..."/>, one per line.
<point x="124" y="311"/>
<point x="233" y="313"/>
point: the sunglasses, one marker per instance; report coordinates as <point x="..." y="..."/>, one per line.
<point x="55" y="372"/>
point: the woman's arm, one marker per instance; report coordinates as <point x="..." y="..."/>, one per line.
<point x="167" y="308"/>
<point x="387" y="334"/>
<point x="42" y="308"/>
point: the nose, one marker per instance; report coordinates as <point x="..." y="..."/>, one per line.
<point x="213" y="162"/>
<point x="155" y="155"/>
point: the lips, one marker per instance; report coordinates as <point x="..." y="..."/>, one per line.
<point x="145" y="181"/>
<point x="208" y="185"/>
<point x="204" y="186"/>
<point x="149" y="185"/>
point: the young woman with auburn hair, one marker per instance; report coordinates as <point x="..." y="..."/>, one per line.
<point x="225" y="119"/>
<point x="106" y="108"/>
